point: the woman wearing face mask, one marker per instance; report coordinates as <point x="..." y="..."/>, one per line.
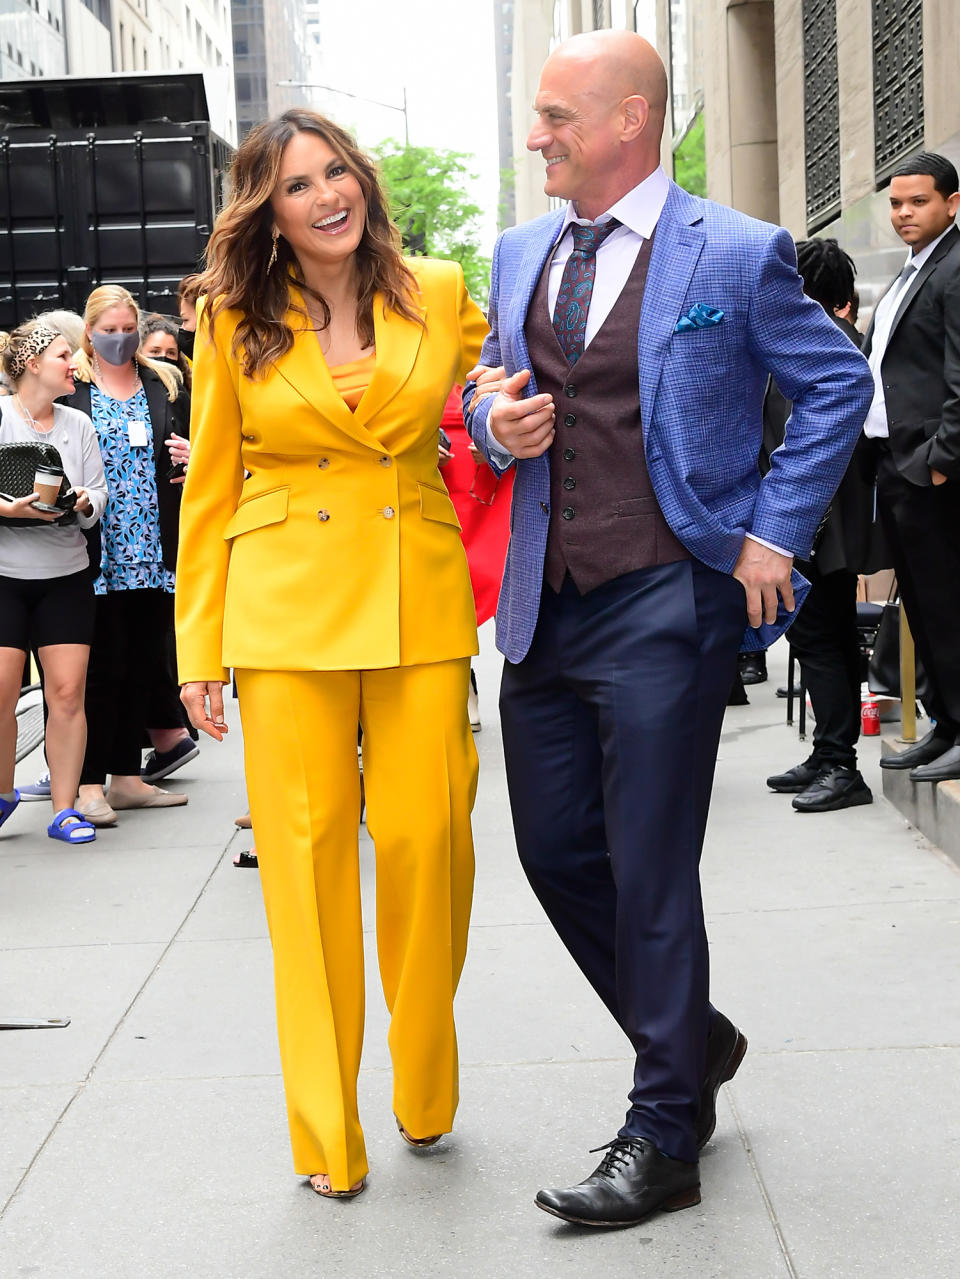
<point x="46" y="597"/>
<point x="136" y="405"/>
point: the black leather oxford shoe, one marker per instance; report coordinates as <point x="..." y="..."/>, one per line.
<point x="945" y="768"/>
<point x="726" y="1047"/>
<point x="795" y="779"/>
<point x="632" y="1180"/>
<point x="926" y="750"/>
<point x="834" y="788"/>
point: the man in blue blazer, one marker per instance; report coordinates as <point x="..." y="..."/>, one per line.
<point x="637" y="327"/>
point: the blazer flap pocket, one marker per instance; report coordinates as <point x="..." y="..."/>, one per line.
<point x="257" y="512"/>
<point x="435" y="504"/>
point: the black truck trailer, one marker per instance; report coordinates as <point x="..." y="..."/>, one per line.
<point x="113" y="180"/>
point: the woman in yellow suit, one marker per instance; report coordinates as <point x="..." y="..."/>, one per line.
<point x="320" y="557"/>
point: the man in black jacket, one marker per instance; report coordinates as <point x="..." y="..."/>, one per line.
<point x="913" y="346"/>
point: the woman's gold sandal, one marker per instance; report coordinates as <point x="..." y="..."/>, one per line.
<point x="327" y="1193"/>
<point x="419" y="1143"/>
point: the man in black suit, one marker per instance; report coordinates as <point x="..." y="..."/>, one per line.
<point x="913" y="345"/>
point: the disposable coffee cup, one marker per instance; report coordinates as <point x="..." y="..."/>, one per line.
<point x="46" y="484"/>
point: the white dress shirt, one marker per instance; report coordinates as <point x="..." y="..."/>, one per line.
<point x="876" y="425"/>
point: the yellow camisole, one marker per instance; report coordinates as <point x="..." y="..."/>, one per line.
<point x="351" y="380"/>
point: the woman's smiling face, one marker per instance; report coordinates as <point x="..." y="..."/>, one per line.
<point x="318" y="204"/>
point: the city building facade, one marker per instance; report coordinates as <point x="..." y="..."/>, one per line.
<point x="271" y="46"/>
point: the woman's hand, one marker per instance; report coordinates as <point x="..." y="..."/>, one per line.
<point x="179" y="448"/>
<point x="83" y="505"/>
<point x="22" y="508"/>
<point x="488" y="381"/>
<point x="194" y="697"/>
<point x="445" y="455"/>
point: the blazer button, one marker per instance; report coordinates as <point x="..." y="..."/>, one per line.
<point x="544" y="508"/>
<point x="388" y="512"/>
<point x="570" y="392"/>
<point x="248" y="438"/>
<point x="323" y="516"/>
<point x="386" y="461"/>
<point x="323" y="463"/>
<point x="568" y="512"/>
<point x="569" y="483"/>
<point x="570" y="419"/>
<point x="569" y="454"/>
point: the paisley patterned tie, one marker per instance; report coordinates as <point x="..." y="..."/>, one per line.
<point x="576" y="287"/>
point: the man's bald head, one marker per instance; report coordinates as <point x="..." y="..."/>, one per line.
<point x="601" y="106"/>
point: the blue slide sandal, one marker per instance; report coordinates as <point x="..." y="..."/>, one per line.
<point x="77" y="832"/>
<point x="8" y="806"/>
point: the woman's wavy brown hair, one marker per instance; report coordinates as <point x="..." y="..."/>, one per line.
<point x="237" y="275"/>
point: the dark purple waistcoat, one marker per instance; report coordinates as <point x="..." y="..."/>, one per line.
<point x="604" y="517"/>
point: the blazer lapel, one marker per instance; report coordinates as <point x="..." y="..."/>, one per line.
<point x="398" y="341"/>
<point x="531" y="265"/>
<point x="306" y="370"/>
<point x="928" y="268"/>
<point x="677" y="245"/>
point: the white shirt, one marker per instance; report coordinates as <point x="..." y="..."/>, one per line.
<point x="876" y="426"/>
<point x="50" y="550"/>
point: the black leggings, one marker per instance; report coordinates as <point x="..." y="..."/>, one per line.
<point x="130" y="681"/>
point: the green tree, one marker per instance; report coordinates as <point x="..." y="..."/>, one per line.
<point x="690" y="160"/>
<point x="428" y="204"/>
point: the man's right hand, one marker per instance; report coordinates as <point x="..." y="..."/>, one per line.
<point x="524" y="428"/>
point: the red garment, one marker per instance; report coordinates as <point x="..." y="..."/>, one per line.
<point x="485" y="528"/>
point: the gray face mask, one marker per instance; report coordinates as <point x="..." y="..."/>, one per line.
<point x="115" y="348"/>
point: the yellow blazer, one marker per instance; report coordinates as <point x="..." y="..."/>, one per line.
<point x="341" y="550"/>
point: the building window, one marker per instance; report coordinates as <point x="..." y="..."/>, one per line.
<point x="821" y="111"/>
<point x="897" y="81"/>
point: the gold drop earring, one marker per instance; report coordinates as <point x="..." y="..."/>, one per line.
<point x="273" y="250"/>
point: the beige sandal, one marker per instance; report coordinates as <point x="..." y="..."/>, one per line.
<point x="326" y="1193"/>
<point x="420" y="1143"/>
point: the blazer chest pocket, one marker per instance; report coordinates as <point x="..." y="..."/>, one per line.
<point x="258" y="512"/>
<point x="435" y="504"/>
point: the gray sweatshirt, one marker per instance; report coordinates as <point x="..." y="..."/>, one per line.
<point x="47" y="550"/>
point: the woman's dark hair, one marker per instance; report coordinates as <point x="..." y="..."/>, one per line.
<point x="827" y="272"/>
<point x="930" y="164"/>
<point x="157" y="323"/>
<point x="238" y="275"/>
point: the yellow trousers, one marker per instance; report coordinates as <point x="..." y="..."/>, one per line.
<point x="420" y="775"/>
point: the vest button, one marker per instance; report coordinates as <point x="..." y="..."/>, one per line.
<point x="569" y="483"/>
<point x="323" y="516"/>
<point x="569" y="454"/>
<point x="568" y="512"/>
<point x="570" y="419"/>
<point x="570" y="392"/>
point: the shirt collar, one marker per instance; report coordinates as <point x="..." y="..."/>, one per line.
<point x="918" y="259"/>
<point x="639" y="210"/>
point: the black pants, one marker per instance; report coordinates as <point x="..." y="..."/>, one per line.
<point x="610" y="730"/>
<point x="825" y="639"/>
<point x="922" y="526"/>
<point x="130" y="685"/>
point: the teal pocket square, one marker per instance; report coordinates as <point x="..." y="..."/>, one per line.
<point x="699" y="316"/>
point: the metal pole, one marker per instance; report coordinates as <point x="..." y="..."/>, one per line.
<point x="406" y="118"/>
<point x="908" y="681"/>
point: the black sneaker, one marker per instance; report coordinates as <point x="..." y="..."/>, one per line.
<point x="795" y="779"/>
<point x="163" y="763"/>
<point x="835" y="788"/>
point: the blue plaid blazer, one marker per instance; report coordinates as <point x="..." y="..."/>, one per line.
<point x="701" y="392"/>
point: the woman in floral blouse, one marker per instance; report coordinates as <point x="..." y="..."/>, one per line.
<point x="139" y="408"/>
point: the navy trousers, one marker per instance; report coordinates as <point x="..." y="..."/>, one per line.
<point x="611" y="725"/>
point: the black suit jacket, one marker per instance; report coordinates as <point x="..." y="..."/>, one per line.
<point x="921" y="369"/>
<point x="166" y="418"/>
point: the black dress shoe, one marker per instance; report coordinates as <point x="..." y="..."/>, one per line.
<point x="725" y="1050"/>
<point x="926" y="751"/>
<point x="835" y="788"/>
<point x="632" y="1180"/>
<point x="795" y="779"/>
<point x="753" y="667"/>
<point x="945" y="768"/>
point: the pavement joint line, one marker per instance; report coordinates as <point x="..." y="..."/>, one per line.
<point x="761" y="1186"/>
<point x="856" y="905"/>
<point x="80" y="1087"/>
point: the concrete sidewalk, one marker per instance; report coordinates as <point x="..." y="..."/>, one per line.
<point x="149" y="1139"/>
